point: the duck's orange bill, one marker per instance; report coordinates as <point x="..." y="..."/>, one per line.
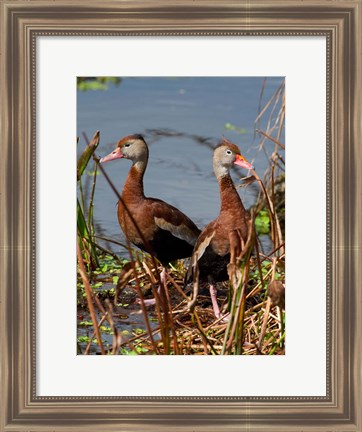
<point x="241" y="161"/>
<point x="116" y="154"/>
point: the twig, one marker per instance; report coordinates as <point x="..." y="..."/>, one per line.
<point x="270" y="138"/>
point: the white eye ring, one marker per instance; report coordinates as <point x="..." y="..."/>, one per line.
<point x="228" y="152"/>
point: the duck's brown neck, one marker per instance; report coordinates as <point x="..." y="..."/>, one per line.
<point x="133" y="188"/>
<point x="230" y="199"/>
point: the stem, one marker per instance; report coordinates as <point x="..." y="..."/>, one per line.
<point x="91" y="203"/>
<point x="89" y="294"/>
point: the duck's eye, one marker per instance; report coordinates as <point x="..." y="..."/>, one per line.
<point x="228" y="152"/>
<point x="127" y="144"/>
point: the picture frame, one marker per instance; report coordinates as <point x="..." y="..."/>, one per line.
<point x="21" y="23"/>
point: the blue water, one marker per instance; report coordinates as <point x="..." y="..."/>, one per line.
<point x="180" y="167"/>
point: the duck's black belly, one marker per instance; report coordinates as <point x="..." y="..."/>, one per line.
<point x="213" y="267"/>
<point x="167" y="248"/>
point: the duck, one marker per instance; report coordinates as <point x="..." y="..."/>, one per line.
<point x="167" y="233"/>
<point x="211" y="254"/>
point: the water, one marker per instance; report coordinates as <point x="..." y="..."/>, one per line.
<point x="180" y="166"/>
<point x="129" y="322"/>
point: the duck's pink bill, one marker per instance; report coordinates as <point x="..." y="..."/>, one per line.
<point x="116" y="154"/>
<point x="241" y="161"/>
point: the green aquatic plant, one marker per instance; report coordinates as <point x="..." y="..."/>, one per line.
<point x="232" y="127"/>
<point x="262" y="222"/>
<point x="85" y="225"/>
<point x="96" y="83"/>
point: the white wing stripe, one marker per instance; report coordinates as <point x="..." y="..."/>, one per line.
<point x="202" y="247"/>
<point x="181" y="231"/>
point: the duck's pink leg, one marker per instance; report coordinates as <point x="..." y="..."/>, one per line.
<point x="163" y="278"/>
<point x="215" y="306"/>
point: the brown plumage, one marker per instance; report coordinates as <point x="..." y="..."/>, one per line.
<point x="212" y="249"/>
<point x="276" y="292"/>
<point x="169" y="232"/>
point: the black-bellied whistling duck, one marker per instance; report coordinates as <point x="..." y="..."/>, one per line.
<point x="212" y="249"/>
<point x="169" y="233"/>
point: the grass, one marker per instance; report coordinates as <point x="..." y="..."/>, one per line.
<point x="183" y="322"/>
<point x="192" y="332"/>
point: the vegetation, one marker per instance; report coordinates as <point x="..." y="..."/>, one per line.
<point x="112" y="316"/>
<point x="96" y="83"/>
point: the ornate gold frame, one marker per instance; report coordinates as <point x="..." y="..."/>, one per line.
<point x="22" y="22"/>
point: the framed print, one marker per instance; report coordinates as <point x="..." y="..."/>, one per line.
<point x="312" y="51"/>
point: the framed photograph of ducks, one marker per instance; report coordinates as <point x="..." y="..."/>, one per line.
<point x="180" y="215"/>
